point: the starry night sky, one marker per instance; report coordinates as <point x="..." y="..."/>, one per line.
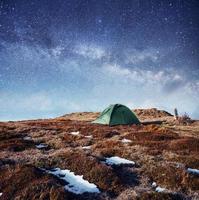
<point x="82" y="55"/>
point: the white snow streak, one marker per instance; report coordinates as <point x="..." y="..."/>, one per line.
<point x="88" y="136"/>
<point x="86" y="147"/>
<point x="75" y="133"/>
<point x="126" y="140"/>
<point x="193" y="171"/>
<point x="27" y="138"/>
<point x="41" y="146"/>
<point x="159" y="189"/>
<point x="76" y="183"/>
<point x="154" y="184"/>
<point x="115" y="160"/>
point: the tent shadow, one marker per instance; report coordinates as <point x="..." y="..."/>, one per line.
<point x="153" y="122"/>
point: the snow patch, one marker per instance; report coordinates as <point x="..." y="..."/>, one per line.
<point x="159" y="189"/>
<point x="86" y="147"/>
<point x="115" y="160"/>
<point x="126" y="140"/>
<point x="193" y="171"/>
<point x="154" y="184"/>
<point x="41" y="146"/>
<point x="74" y="133"/>
<point x="76" y="184"/>
<point x="88" y="136"/>
<point x="27" y="138"/>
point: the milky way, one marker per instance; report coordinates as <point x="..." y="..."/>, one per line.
<point x="75" y="55"/>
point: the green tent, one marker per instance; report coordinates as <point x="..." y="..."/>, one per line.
<point x="117" y="114"/>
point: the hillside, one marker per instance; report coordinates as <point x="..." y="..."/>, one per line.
<point x="143" y="114"/>
<point x="40" y="159"/>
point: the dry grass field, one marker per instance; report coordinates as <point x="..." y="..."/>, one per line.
<point x="162" y="152"/>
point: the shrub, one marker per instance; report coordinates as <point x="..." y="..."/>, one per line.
<point x="184" y="119"/>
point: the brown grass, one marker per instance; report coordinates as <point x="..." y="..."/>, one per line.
<point x="27" y="182"/>
<point x="172" y="177"/>
<point x="156" y="149"/>
<point x="159" y="196"/>
<point x="16" y="144"/>
<point x="187" y="144"/>
<point x="89" y="167"/>
<point x="191" y="161"/>
<point x="93" y="171"/>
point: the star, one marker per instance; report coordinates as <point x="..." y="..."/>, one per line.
<point x="78" y="49"/>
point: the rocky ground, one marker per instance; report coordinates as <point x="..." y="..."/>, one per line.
<point x="165" y="155"/>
